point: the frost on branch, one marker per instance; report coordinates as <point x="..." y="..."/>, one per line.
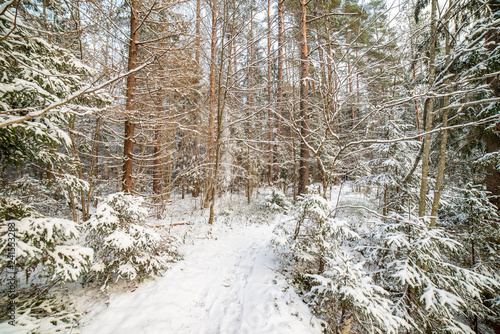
<point x="125" y="246"/>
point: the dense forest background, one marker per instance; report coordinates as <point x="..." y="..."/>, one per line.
<point x="169" y="99"/>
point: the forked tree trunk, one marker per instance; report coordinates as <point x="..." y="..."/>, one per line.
<point x="128" y="146"/>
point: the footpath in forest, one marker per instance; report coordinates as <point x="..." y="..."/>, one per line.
<point x="227" y="283"/>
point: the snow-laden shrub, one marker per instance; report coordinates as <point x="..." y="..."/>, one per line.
<point x="13" y="208"/>
<point x="346" y="293"/>
<point x="312" y="246"/>
<point x="276" y="201"/>
<point x="476" y="223"/>
<point x="41" y="252"/>
<point x="310" y="236"/>
<point x="125" y="246"/>
<point x="46" y="250"/>
<point x="45" y="314"/>
<point x="431" y="292"/>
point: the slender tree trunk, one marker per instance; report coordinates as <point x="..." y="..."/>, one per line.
<point x="279" y="106"/>
<point x="198" y="31"/>
<point x="220" y="117"/>
<point x="269" y="94"/>
<point x="491" y="137"/>
<point x="209" y="182"/>
<point x="429" y="114"/>
<point x="250" y="106"/>
<point x="444" y="138"/>
<point x="303" y="105"/>
<point x="93" y="168"/>
<point x="128" y="146"/>
<point x="79" y="174"/>
<point x="196" y="182"/>
<point x="157" y="166"/>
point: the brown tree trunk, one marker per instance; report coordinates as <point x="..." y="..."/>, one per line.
<point x="221" y="99"/>
<point x="492" y="178"/>
<point x="280" y="87"/>
<point x="128" y="146"/>
<point x="303" y="106"/>
<point x="444" y="139"/>
<point x="157" y="166"/>
<point x="209" y="182"/>
<point x="492" y="139"/>
<point x="269" y="93"/>
<point x="250" y="105"/>
<point x="198" y="31"/>
<point x="93" y="169"/>
<point x="429" y="117"/>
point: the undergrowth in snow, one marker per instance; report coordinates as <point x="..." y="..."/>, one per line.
<point x="126" y="247"/>
<point x="269" y="266"/>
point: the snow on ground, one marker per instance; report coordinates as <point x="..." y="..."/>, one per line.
<point x="226" y="283"/>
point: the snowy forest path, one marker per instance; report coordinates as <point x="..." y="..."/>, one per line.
<point x="227" y="283"/>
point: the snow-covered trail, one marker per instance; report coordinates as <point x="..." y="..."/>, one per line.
<point x="225" y="284"/>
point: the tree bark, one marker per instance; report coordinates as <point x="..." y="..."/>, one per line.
<point x="492" y="139"/>
<point x="209" y="182"/>
<point x="198" y="31"/>
<point x="269" y="95"/>
<point x="250" y="105"/>
<point x="157" y="166"/>
<point x="220" y="116"/>
<point x="492" y="178"/>
<point x="444" y="139"/>
<point x="280" y="87"/>
<point x="303" y="105"/>
<point x="128" y="146"/>
<point x="429" y="116"/>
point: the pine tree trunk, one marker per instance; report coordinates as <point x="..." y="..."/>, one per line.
<point x="492" y="178"/>
<point x="220" y="115"/>
<point x="491" y="138"/>
<point x="128" y="146"/>
<point x="280" y="87"/>
<point x="209" y="180"/>
<point x="429" y="115"/>
<point x="444" y="139"/>
<point x="250" y="106"/>
<point x="93" y="169"/>
<point x="198" y="31"/>
<point x="303" y="105"/>
<point x="269" y="94"/>
<point x="157" y="167"/>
